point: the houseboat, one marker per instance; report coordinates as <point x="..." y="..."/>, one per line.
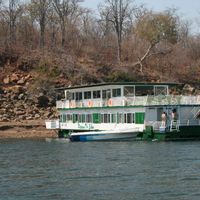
<point x="120" y="111"/>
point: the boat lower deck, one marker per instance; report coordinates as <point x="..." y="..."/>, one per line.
<point x="183" y="133"/>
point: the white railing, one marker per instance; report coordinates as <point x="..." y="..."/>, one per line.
<point x="131" y="101"/>
<point x="62" y="104"/>
<point x="52" y="124"/>
<point x="190" y="100"/>
<point x="155" y="124"/>
<point x="172" y="125"/>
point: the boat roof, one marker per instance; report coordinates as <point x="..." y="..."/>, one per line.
<point x="117" y="83"/>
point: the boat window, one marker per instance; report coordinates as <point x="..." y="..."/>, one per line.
<point x="102" y="118"/>
<point x="130" y="118"/>
<point x="79" y="118"/>
<point x="116" y="92"/>
<point x="83" y="118"/>
<point x="105" y="118"/>
<point x="64" y="118"/>
<point x="109" y="115"/>
<point x="75" y="118"/>
<point x="68" y="95"/>
<point x="113" y="118"/>
<point x="129" y="91"/>
<point x="69" y="117"/>
<point x="89" y="118"/>
<point x="96" y="94"/>
<point x="78" y="96"/>
<point x="87" y="95"/>
<point x="106" y="94"/>
<point x="120" y="118"/>
<point x="144" y="90"/>
<point x="125" y="118"/>
<point x="72" y="96"/>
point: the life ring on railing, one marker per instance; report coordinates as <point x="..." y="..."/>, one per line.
<point x="72" y="105"/>
<point x="110" y="102"/>
<point x="90" y="103"/>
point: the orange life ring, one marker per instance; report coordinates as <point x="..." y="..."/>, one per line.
<point x="72" y="105"/>
<point x="90" y="103"/>
<point x="110" y="102"/>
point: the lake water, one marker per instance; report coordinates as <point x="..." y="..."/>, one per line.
<point x="99" y="170"/>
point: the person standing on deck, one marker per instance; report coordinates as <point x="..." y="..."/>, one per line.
<point x="174" y="119"/>
<point x="164" y="119"/>
<point x="174" y="115"/>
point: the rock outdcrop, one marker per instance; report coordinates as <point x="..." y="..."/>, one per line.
<point x="16" y="104"/>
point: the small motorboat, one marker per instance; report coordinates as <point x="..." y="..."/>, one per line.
<point x="112" y="135"/>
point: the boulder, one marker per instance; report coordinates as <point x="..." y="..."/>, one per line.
<point x="20" y="112"/>
<point x="21" y="81"/>
<point x="14" y="78"/>
<point x="27" y="77"/>
<point x="14" y="97"/>
<point x="29" y="118"/>
<point x="4" y="119"/>
<point x="6" y="80"/>
<point x="21" y="96"/>
<point x="47" y="114"/>
<point x="6" y="115"/>
<point x="21" y="117"/>
<point x="37" y="116"/>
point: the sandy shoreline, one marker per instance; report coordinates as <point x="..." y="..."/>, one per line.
<point x="25" y="129"/>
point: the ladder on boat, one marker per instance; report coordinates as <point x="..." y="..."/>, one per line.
<point x="174" y="125"/>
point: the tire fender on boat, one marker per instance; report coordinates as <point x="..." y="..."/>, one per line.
<point x="110" y="102"/>
<point x="90" y="103"/>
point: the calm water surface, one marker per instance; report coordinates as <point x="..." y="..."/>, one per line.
<point x="103" y="170"/>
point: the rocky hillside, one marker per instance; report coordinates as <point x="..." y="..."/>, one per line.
<point x="17" y="104"/>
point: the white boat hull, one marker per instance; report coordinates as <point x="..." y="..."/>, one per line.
<point x="104" y="135"/>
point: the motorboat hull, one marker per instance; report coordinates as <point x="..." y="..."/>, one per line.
<point x="103" y="136"/>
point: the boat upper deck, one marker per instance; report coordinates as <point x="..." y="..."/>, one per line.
<point x="122" y="94"/>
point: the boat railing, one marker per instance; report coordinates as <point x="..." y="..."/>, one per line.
<point x="172" y="124"/>
<point x="162" y="100"/>
<point x="191" y="122"/>
<point x="136" y="101"/>
<point x="155" y="124"/>
<point x="131" y="101"/>
<point x="52" y="124"/>
<point x="190" y="100"/>
<point x="160" y="126"/>
<point x="62" y="104"/>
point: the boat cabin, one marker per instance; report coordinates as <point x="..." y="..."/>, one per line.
<point x="110" y="94"/>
